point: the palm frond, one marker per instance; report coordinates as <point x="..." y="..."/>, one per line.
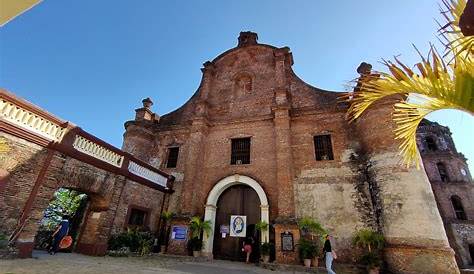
<point x="457" y="44"/>
<point x="436" y="86"/>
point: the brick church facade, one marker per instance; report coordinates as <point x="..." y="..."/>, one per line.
<point x="256" y="140"/>
<point x="452" y="186"/>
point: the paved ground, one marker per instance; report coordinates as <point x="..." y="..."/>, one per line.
<point x="44" y="263"/>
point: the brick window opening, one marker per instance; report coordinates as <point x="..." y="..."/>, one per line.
<point x="431" y="144"/>
<point x="458" y="208"/>
<point x="173" y="153"/>
<point x="443" y="174"/>
<point x="323" y="147"/>
<point x="137" y="217"/>
<point x="240" y="151"/>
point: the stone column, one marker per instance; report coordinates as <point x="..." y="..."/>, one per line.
<point x="285" y="221"/>
<point x="193" y="166"/>
<point x="208" y="240"/>
<point x="416" y="240"/>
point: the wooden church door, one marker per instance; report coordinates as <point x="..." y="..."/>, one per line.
<point x="236" y="200"/>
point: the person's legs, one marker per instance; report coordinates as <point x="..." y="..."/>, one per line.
<point x="56" y="241"/>
<point x="329" y="259"/>
<point x="248" y="257"/>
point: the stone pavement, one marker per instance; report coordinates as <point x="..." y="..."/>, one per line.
<point x="43" y="263"/>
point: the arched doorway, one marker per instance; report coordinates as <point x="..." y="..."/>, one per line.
<point x="248" y="190"/>
<point x="236" y="200"/>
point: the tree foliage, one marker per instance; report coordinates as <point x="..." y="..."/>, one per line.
<point x="439" y="82"/>
<point x="65" y="202"/>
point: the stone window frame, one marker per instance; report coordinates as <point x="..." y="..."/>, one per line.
<point x="331" y="139"/>
<point x="237" y="77"/>
<point x="168" y="150"/>
<point x="433" y="143"/>
<point x="444" y="174"/>
<point x="146" y="222"/>
<point x="458" y="208"/>
<point x="241" y="136"/>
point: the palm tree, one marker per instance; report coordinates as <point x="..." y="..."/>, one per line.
<point x="198" y="226"/>
<point x="442" y="82"/>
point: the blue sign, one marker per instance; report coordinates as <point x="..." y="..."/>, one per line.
<point x="179" y="233"/>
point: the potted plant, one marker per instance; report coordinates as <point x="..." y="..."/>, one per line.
<point x="265" y="249"/>
<point x="314" y="231"/>
<point x="307" y="251"/>
<point x="372" y="242"/>
<point x="166" y="217"/>
<point x="197" y="227"/>
<point x="195" y="245"/>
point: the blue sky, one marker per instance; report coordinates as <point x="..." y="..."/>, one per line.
<point x="91" y="62"/>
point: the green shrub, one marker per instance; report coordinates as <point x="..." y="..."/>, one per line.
<point x="266" y="248"/>
<point x="371" y="260"/>
<point x="194" y="244"/>
<point x="132" y="239"/>
<point x="307" y="249"/>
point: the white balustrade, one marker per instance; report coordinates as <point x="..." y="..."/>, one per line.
<point x="97" y="151"/>
<point x="30" y="121"/>
<point x="147" y="174"/>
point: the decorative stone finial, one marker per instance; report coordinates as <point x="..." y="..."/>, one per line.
<point x="147" y="103"/>
<point x="364" y="68"/>
<point x="247" y="38"/>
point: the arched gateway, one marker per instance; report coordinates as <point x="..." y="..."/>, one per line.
<point x="212" y="199"/>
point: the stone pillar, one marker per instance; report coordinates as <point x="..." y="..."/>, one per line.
<point x="265" y="216"/>
<point x="416" y="240"/>
<point x="285" y="221"/>
<point x="208" y="240"/>
<point x="193" y="166"/>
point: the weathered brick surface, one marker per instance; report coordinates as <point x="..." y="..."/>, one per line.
<point x="251" y="91"/>
<point x="459" y="183"/>
<point x="21" y="166"/>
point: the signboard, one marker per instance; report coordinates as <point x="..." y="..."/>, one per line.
<point x="287" y="241"/>
<point x="225" y="229"/>
<point x="179" y="233"/>
<point x="238" y="226"/>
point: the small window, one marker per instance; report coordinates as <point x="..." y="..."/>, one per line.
<point x="137" y="217"/>
<point x="323" y="147"/>
<point x="240" y="151"/>
<point x="443" y="174"/>
<point x="173" y="153"/>
<point x="458" y="208"/>
<point x="431" y="144"/>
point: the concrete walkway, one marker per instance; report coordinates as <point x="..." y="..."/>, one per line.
<point x="43" y="263"/>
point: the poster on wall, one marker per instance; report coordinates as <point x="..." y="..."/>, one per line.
<point x="238" y="226"/>
<point x="179" y="233"/>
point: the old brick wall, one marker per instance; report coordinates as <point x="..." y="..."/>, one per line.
<point x="30" y="174"/>
<point x="20" y="164"/>
<point x="251" y="91"/>
<point x="136" y="196"/>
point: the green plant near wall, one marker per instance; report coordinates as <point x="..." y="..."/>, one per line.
<point x="166" y="217"/>
<point x="367" y="238"/>
<point x="262" y="226"/>
<point x="198" y="226"/>
<point x="372" y="242"/>
<point x="307" y="249"/>
<point x="311" y="227"/>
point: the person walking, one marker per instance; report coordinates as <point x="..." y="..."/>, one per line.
<point x="248" y="242"/>
<point x="329" y="253"/>
<point x="61" y="231"/>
